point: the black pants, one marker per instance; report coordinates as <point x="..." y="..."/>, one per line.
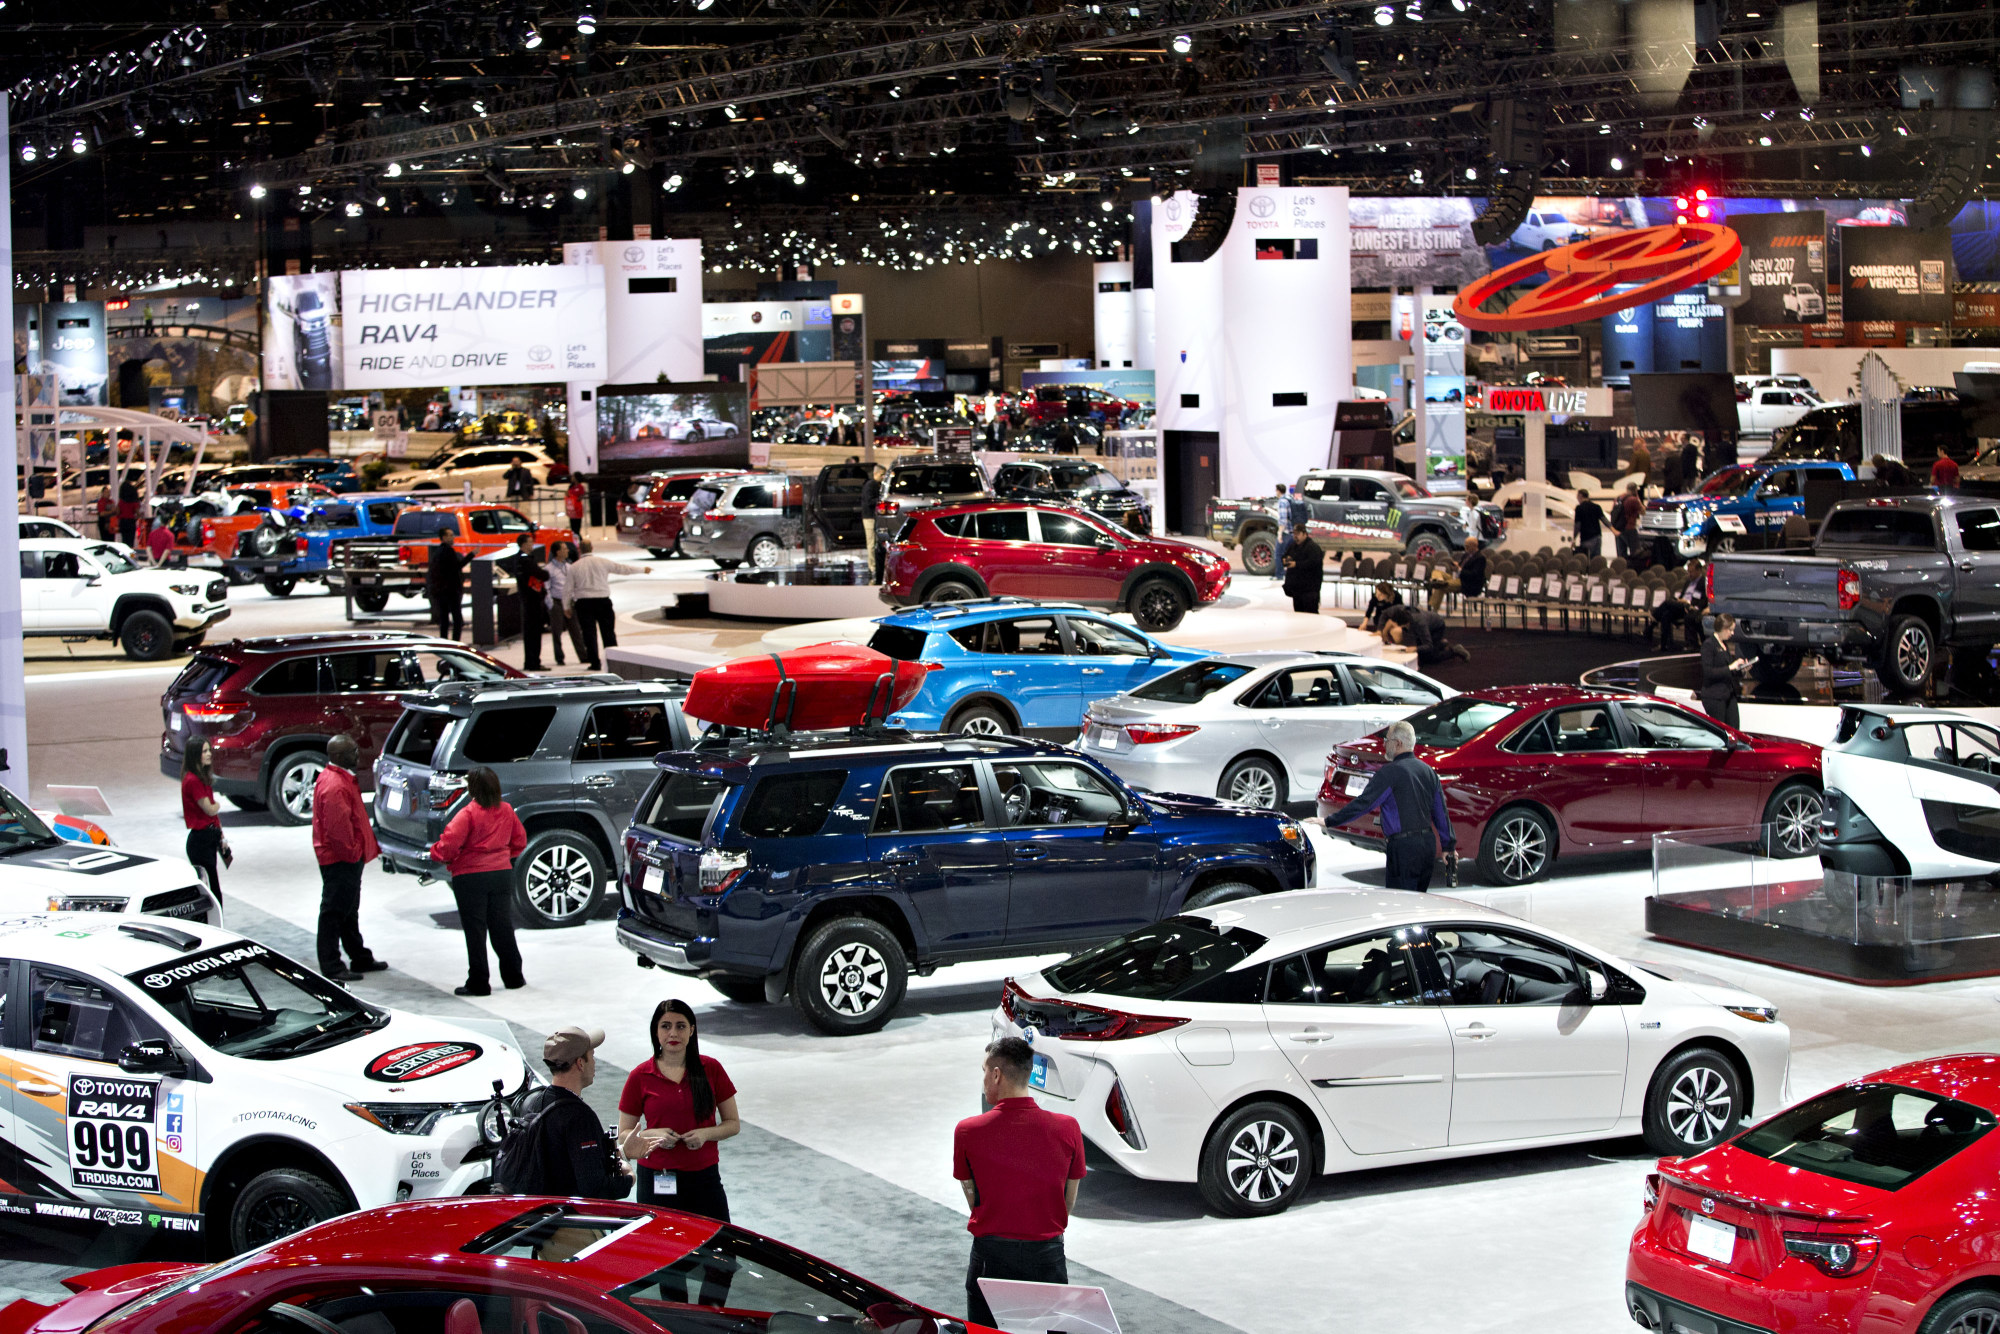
<point x="593" y="619"/>
<point x="1674" y="612"/>
<point x="561" y="623"/>
<point x="1412" y="858"/>
<point x="696" y="1192"/>
<point x="1592" y="545"/>
<point x="534" y="619"/>
<point x="1306" y="602"/>
<point x="1003" y="1257"/>
<point x="486" y="908"/>
<point x="1723" y="709"/>
<point x="449" y="617"/>
<point x="204" y="847"/>
<point x="340" y="916"/>
<point x="1431" y="657"/>
<point x="128" y="531"/>
<point x="576" y="527"/>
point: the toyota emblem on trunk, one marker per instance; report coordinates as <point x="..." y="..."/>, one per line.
<point x="1708" y="1206"/>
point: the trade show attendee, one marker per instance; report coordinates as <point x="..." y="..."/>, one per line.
<point x="871" y="496"/>
<point x="1470" y="581"/>
<point x="159" y="541"/>
<point x="202" y="814"/>
<point x="573" y="503"/>
<point x="1411" y="800"/>
<point x="444" y="585"/>
<point x="1691" y="465"/>
<point x="1626" y="520"/>
<point x="590" y="602"/>
<point x="1642" y="462"/>
<point x="344" y="844"/>
<point x="564" y="1150"/>
<point x="1282" y="505"/>
<point x="128" y="512"/>
<point x="1379" y="603"/>
<point x="557" y="600"/>
<point x="107" y="515"/>
<point x="1722" y="672"/>
<point x="1684" y="611"/>
<point x="478" y="849"/>
<point x="520" y="482"/>
<point x="673" y="1111"/>
<point x="531" y="581"/>
<point x="1671" y="480"/>
<point x="1424" y="631"/>
<point x="1305" y="571"/>
<point x="1892" y="472"/>
<point x="1944" y="473"/>
<point x="1020" y="1168"/>
<point x="1589" y="525"/>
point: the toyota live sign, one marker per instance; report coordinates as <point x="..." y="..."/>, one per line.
<point x="519" y="324"/>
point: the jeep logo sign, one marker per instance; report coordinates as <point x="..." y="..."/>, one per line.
<point x="420" y="1060"/>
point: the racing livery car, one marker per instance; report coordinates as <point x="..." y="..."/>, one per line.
<point x="1911" y="792"/>
<point x="44" y="868"/>
<point x="182" y="1077"/>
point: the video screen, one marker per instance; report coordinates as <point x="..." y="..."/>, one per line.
<point x="641" y="427"/>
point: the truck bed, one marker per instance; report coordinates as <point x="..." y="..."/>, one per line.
<point x="1754" y="587"/>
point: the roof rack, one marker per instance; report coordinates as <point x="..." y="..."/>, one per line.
<point x="991" y="600"/>
<point x="463" y="691"/>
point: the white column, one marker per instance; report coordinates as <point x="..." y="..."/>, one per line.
<point x="1115" y="331"/>
<point x="1142" y="327"/>
<point x="1187" y="321"/>
<point x="13" y="667"/>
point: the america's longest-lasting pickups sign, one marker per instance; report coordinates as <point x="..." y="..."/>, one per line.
<point x="410" y="328"/>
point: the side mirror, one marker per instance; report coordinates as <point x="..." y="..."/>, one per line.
<point x="1600" y="986"/>
<point x="151" y="1056"/>
<point x="93" y="581"/>
<point x="1108" y="544"/>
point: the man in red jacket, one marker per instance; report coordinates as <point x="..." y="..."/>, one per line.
<point x="344" y="844"/>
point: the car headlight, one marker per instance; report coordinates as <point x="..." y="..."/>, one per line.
<point x="411" y="1118"/>
<point x="86" y="903"/>
<point x="187" y="590"/>
<point x="1756" y="1014"/>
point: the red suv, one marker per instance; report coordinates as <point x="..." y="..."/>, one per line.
<point x="269" y="706"/>
<point x="650" y="514"/>
<point x="955" y="552"/>
<point x="1866" y="1210"/>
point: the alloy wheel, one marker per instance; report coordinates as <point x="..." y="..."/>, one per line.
<point x="1521" y="849"/>
<point x="1976" y="1322"/>
<point x="1700" y="1105"/>
<point x="764" y="554"/>
<point x="1253" y="786"/>
<point x="1913" y="653"/>
<point x="1426" y="549"/>
<point x="1798" y="823"/>
<point x="295" y="789"/>
<point x="561" y="881"/>
<point x="277" y="1217"/>
<point x="1158" y="606"/>
<point x="981" y="724"/>
<point x="853" y="979"/>
<point x="1263" y="1162"/>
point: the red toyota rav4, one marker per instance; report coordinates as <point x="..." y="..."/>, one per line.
<point x="651" y="513"/>
<point x="269" y="706"/>
<point x="954" y="552"/>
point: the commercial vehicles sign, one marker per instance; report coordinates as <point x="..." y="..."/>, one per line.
<point x="411" y="328"/>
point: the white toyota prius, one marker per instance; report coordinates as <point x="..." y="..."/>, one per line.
<point x="1252" y="1045"/>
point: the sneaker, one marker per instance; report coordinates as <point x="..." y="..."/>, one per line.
<point x="1461" y="652"/>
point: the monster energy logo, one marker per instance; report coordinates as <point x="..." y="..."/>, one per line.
<point x="1395" y="517"/>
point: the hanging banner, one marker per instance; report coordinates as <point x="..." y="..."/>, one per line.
<point x="1783" y="267"/>
<point x="302" y="331"/>
<point x="1893" y="273"/>
<point x="652" y="307"/>
<point x="72" y="350"/>
<point x="522" y="324"/>
<point x="1404" y="242"/>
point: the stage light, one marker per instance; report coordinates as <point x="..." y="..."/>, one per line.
<point x="478" y="106"/>
<point x="353" y="209"/>
<point x="1384" y="15"/>
<point x="1617" y="164"/>
<point x="1472" y="173"/>
<point x="586" y="23"/>
<point x="257" y="192"/>
<point x="1866" y="151"/>
<point x="1105" y="204"/>
<point x="1414" y="11"/>
<point x="78" y="144"/>
<point x="29" y="152"/>
<point x="782" y="167"/>
<point x="580" y="192"/>
<point x="798" y="178"/>
<point x="1183" y="43"/>
<point x="394" y="169"/>
<point x="627" y="168"/>
<point x="1763" y="141"/>
<point x="531" y="37"/>
<point x="703" y="4"/>
<point x="305" y="190"/>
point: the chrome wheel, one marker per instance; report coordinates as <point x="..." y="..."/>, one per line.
<point x="1262" y="1162"/>
<point x="1797" y="822"/>
<point x="981" y="724"/>
<point x="1521" y="849"/>
<point x="1252" y="785"/>
<point x="562" y="882"/>
<point x="764" y="553"/>
<point x="1975" y="1322"/>
<point x="1701" y="1105"/>
<point x="295" y="788"/>
<point x="1913" y="653"/>
<point x="853" y="979"/>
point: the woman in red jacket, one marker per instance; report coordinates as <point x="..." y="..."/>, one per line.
<point x="478" y="850"/>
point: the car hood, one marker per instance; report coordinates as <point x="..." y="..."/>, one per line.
<point x="1186" y="806"/>
<point x="1711" y="989"/>
<point x="1690" y="500"/>
<point x="72" y="868"/>
<point x="1729" y="1171"/>
<point x="412" y="1059"/>
<point x="1154" y="548"/>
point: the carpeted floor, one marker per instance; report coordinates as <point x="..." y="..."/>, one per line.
<point x="1531" y="657"/>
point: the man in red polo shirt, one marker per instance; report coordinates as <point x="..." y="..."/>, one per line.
<point x="1020" y="1167"/>
<point x="344" y="843"/>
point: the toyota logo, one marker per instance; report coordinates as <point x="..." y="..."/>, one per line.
<point x="1708" y="1206"/>
<point x="83" y="1088"/>
<point x="1172" y="208"/>
<point x="1262" y="206"/>
<point x="635" y="254"/>
<point x="539" y="352"/>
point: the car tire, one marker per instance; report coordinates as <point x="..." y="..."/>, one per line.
<point x="1427" y="546"/>
<point x="1253" y="781"/>
<point x="981" y="720"/>
<point x="372" y="600"/>
<point x="289" y="794"/>
<point x="849" y="976"/>
<point x="559" y="880"/>
<point x="1795" y="809"/>
<point x="1974" y="1311"/>
<point x="278" y="1203"/>
<point x="146" y="636"/>
<point x="1258" y="1161"/>
<point x="1158" y="606"/>
<point x="237" y="578"/>
<point x="1260" y="551"/>
<point x="1221" y="891"/>
<point x="722" y="564"/>
<point x="660" y="553"/>
<point x="1775" y="669"/>
<point x="280" y="587"/>
<point x="1695" y="1101"/>
<point x="1909" y="653"/>
<point x="1519" y="845"/>
<point x="951" y="590"/>
<point x="764" y="552"/>
<point x="247" y="803"/>
<point x="742" y="990"/>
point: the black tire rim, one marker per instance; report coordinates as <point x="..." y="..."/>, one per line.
<point x="1700" y="1105"/>
<point x="148" y="641"/>
<point x="561" y="882"/>
<point x="951" y="592"/>
<point x="276" y="1216"/>
<point x="1158" y="606"/>
<point x="1260" y="555"/>
<point x="1261" y="1163"/>
<point x="1913" y="654"/>
<point x="1520" y="848"/>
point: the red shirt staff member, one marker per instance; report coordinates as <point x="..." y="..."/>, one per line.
<point x="478" y="851"/>
<point x="1020" y="1167"/>
<point x="344" y="844"/>
<point x="672" y="1112"/>
<point x="202" y="814"/>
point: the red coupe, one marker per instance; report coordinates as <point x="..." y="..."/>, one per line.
<point x="1867" y="1210"/>
<point x="1530" y="770"/>
<point x="487" y="1265"/>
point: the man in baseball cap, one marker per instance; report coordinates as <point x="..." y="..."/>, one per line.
<point x="562" y="1148"/>
<point x="563" y="1051"/>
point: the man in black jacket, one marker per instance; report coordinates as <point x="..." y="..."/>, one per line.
<point x="1721" y="673"/>
<point x="531" y="581"/>
<point x="1424" y="631"/>
<point x="1305" y="570"/>
<point x="1411" y="800"/>
<point x="576" y="1155"/>
<point x="444" y="586"/>
<point x="1589" y="525"/>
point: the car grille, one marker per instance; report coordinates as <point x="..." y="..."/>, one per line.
<point x="218" y="590"/>
<point x="189" y="903"/>
<point x="1669" y="520"/>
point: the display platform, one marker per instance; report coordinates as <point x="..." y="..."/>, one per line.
<point x="809" y="590"/>
<point x="1815" y="683"/>
<point x="1723" y="890"/>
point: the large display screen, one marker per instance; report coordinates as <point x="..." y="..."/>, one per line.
<point x="641" y="427"/>
<point x="1690" y="402"/>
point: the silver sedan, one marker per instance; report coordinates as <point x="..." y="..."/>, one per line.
<point x="1252" y="728"/>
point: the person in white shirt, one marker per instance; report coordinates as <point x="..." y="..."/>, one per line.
<point x="590" y="602"/>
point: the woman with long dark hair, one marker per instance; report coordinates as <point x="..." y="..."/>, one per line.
<point x="674" y="1109"/>
<point x="478" y="849"/>
<point x="202" y="813"/>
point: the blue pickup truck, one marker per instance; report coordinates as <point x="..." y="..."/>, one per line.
<point x="270" y="553"/>
<point x="1756" y="499"/>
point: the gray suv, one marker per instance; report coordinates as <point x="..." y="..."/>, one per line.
<point x="918" y="481"/>
<point x="574" y="755"/>
<point x="752" y="518"/>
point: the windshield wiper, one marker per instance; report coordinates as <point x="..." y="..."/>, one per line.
<point x="339" y="1030"/>
<point x="47" y="841"/>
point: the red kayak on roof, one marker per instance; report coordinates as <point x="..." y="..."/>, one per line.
<point x="822" y="687"/>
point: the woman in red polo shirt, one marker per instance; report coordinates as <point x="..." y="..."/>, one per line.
<point x="673" y="1110"/>
<point x="478" y="849"/>
<point x="202" y="813"/>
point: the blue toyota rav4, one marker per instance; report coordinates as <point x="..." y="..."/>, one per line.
<point x="831" y="866"/>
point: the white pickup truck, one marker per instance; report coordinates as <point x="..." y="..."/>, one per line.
<point x="79" y="589"/>
<point x="1772" y="406"/>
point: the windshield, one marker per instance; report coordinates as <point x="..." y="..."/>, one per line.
<point x="640" y="490"/>
<point x="1074" y="478"/>
<point x="1172" y="960"/>
<point x="1881" y="1135"/>
<point x="1409" y="490"/>
<point x="765" y="1288"/>
<point x="1730" y="481"/>
<point x="21" y="828"/>
<point x="1192" y="684"/>
<point x="246" y="1000"/>
<point x="944" y="479"/>
<point x="1454" y="722"/>
<point x="113" y="560"/>
<point x="680" y="488"/>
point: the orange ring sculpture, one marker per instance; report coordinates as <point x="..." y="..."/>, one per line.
<point x="1584" y="277"/>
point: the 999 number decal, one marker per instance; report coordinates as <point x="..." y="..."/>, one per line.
<point x="111" y="1134"/>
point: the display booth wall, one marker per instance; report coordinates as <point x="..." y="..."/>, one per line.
<point x="1142" y="333"/>
<point x="1187" y="326"/>
<point x="1114" y="314"/>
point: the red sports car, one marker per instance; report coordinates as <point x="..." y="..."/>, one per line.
<point x="1867" y="1210"/>
<point x="490" y="1265"/>
<point x="1530" y="770"/>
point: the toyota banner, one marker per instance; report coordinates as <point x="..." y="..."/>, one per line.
<point x="523" y="324"/>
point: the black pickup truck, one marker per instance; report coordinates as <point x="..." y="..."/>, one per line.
<point x="1891" y="579"/>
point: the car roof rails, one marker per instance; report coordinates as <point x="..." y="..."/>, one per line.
<point x="161" y="935"/>
<point x="545" y="685"/>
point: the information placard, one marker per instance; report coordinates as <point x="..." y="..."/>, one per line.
<point x="519" y="324"/>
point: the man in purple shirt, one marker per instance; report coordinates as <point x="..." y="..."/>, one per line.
<point x="1413" y="815"/>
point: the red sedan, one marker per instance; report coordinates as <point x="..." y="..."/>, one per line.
<point x="1530" y="770"/>
<point x="482" y="1263"/>
<point x="1867" y="1210"/>
<point x="650" y="515"/>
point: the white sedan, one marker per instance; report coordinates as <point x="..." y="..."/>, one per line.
<point x="1252" y="728"/>
<point x="1251" y="1045"/>
<point x="483" y="467"/>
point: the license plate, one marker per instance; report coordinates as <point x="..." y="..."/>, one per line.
<point x="1355" y="785"/>
<point x="174" y="721"/>
<point x="1038" y="1078"/>
<point x="654" y="880"/>
<point x="395" y="795"/>
<point x="1107" y="738"/>
<point x="694" y="530"/>
<point x="1711" y="1240"/>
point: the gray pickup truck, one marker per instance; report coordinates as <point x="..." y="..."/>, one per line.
<point x="1377" y="511"/>
<point x="1890" y="579"/>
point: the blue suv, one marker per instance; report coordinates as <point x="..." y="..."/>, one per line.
<point x="831" y="866"/>
<point x="1015" y="667"/>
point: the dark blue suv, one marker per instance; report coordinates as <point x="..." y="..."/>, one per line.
<point x="834" y="866"/>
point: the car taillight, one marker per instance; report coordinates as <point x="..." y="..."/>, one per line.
<point x="299" y="545"/>
<point x="1708" y="585"/>
<point x="443" y="788"/>
<point x="1008" y="993"/>
<point x="1652" y="1190"/>
<point x="1849" y="585"/>
<point x="714" y="517"/>
<point x="1114" y="1025"/>
<point x="1150" y="734"/>
<point x="1119" y="1113"/>
<point x="885" y="507"/>
<point x="214" y="714"/>
<point x="1841" y="1257"/>
<point x="720" y="869"/>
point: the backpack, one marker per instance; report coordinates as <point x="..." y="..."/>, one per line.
<point x="518" y="1166"/>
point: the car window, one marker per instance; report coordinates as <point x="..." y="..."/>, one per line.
<point x="1659" y="727"/>
<point x="294" y="676"/>
<point x="1193" y="683"/>
<point x="1366" y="489"/>
<point x="1315" y="687"/>
<point x="502" y="736"/>
<point x="679" y="488"/>
<point x="1880" y="1135"/>
<point x="1455" y="721"/>
<point x="416" y="736"/>
<point x="369" y="672"/>
<point x="426" y="667"/>
<point x="1873" y="527"/>
<point x="33" y="563"/>
<point x="1033" y="795"/>
<point x="1568" y="731"/>
<point x="1314" y="488"/>
<point x="899" y="642"/>
<point x="484" y="521"/>
<point x="931" y="798"/>
<point x="791" y="805"/>
<point x="379" y="1308"/>
<point x="74" y="1016"/>
<point x="629" y="731"/>
<point x="1016" y="474"/>
<point x="1067" y="530"/>
<point x="1375" y="970"/>
<point x="1104" y="639"/>
<point x="1979" y="530"/>
<point x="383" y="512"/>
<point x="1778" y="399"/>
<point x="753" y="498"/>
<point x="425" y="523"/>
<point x="62" y="565"/>
<point x="766" y="1287"/>
<point x="1386" y="685"/>
<point x="1489" y="966"/>
<point x="1000" y="525"/>
<point x="1962" y="745"/>
<point x="678" y="804"/>
<point x="1020" y="634"/>
<point x="1181" y="958"/>
<point x="333" y="516"/>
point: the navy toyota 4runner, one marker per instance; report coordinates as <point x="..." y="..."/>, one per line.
<point x="833" y="867"/>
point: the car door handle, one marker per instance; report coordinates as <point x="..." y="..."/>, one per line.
<point x="1309" y="1035"/>
<point x="38" y="1088"/>
<point x="1475" y="1032"/>
<point x="1030" y="854"/>
<point x="1966" y="566"/>
<point x="1093" y="671"/>
<point x="899" y="859"/>
<point x="1003" y="671"/>
<point x="599" y="780"/>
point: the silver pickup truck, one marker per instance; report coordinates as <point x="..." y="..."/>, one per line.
<point x="1891" y="580"/>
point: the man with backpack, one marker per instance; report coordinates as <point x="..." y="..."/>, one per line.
<point x="559" y="1146"/>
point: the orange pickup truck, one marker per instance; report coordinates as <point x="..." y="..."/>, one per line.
<point x="369" y="570"/>
<point x="215" y="535"/>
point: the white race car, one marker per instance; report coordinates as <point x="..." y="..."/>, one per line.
<point x="182" y="1077"/>
<point x="1911" y="792"/>
<point x="43" y="871"/>
<point x="1249" y="1045"/>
